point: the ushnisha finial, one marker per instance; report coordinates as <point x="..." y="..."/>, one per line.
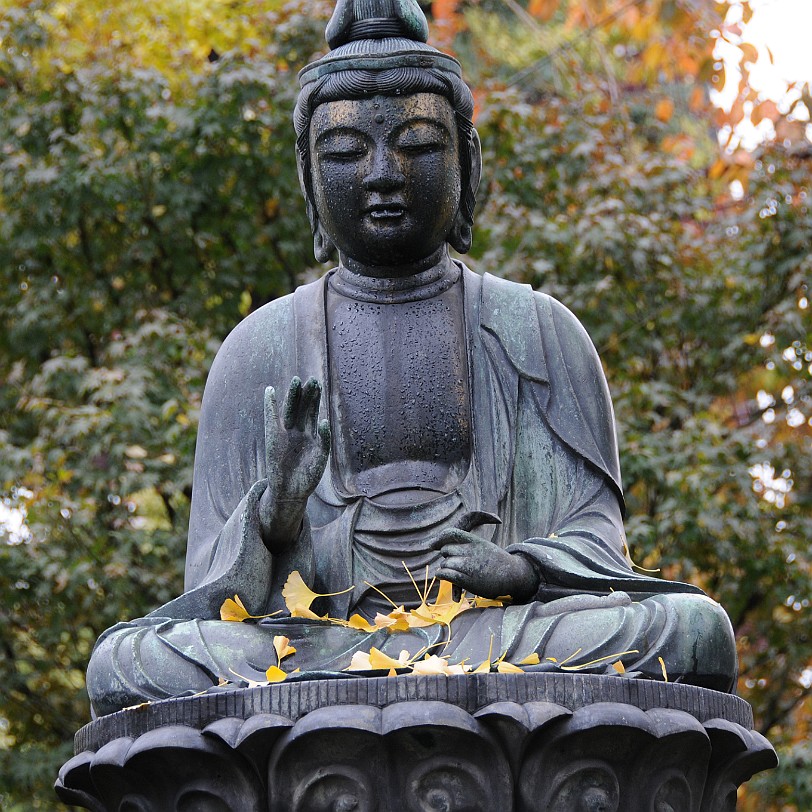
<point x="378" y="35"/>
<point x="355" y="20"/>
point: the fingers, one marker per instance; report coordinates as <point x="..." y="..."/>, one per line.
<point x="458" y="564"/>
<point x="301" y="408"/>
<point x="476" y="518"/>
<point x="293" y="398"/>
<point x="271" y="422"/>
<point x="455" y="549"/>
<point x="308" y="417"/>
<point x="452" y="535"/>
<point x="448" y="574"/>
<point x="324" y="436"/>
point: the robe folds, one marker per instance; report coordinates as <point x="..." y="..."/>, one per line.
<point x="544" y="459"/>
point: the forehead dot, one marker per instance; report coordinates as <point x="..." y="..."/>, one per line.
<point x="379" y="119"/>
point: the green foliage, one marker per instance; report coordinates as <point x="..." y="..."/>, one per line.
<point x="141" y="216"/>
<point x="148" y="200"/>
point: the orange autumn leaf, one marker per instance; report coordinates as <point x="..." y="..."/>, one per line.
<point x="664" y="110"/>
<point x="543" y="9"/>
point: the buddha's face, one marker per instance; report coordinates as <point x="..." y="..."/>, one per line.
<point x="386" y="177"/>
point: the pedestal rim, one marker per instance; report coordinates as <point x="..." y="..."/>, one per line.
<point x="470" y="692"/>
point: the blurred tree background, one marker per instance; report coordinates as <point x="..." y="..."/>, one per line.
<point x="148" y="201"/>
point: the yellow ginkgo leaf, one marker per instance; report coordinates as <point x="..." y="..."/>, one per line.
<point x="592" y="663"/>
<point x="619" y="667"/>
<point x="396" y="621"/>
<point x="303" y="611"/>
<point x="508" y="668"/>
<point x="447" y="612"/>
<point x="432" y="664"/>
<point x="283" y="647"/>
<point x="252" y="683"/>
<point x="485" y="667"/>
<point x="360" y="662"/>
<point x="361" y="624"/>
<point x="298" y="596"/>
<point x="662" y="666"/>
<point x="380" y="661"/>
<point x="486" y="603"/>
<point x="530" y="659"/>
<point x="234" y="610"/>
<point x="136" y="707"/>
<point x="275" y="674"/>
<point x="445" y="593"/>
<point x="421" y="617"/>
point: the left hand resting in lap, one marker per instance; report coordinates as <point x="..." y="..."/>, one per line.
<point x="479" y="566"/>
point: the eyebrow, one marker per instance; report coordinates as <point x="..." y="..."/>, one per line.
<point x="425" y="120"/>
<point x="344" y="129"/>
<point x="339" y="129"/>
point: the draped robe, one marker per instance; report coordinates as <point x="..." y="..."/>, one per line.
<point x="544" y="458"/>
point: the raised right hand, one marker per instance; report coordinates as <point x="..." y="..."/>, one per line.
<point x="296" y="450"/>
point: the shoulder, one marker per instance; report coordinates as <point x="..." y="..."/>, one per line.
<point x="531" y="324"/>
<point x="260" y="327"/>
<point x="261" y="343"/>
<point x="567" y="327"/>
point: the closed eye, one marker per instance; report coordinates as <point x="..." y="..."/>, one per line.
<point x="421" y="147"/>
<point x="419" y="137"/>
<point x="342" y="154"/>
<point x="341" y="145"/>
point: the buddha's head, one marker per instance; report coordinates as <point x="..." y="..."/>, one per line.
<point x="389" y="159"/>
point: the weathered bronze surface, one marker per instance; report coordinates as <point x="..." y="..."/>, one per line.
<point x="448" y="422"/>
<point x="478" y="743"/>
<point x="405" y="416"/>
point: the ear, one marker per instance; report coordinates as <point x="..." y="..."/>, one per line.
<point x="323" y="246"/>
<point x="476" y="163"/>
<point x="461" y="233"/>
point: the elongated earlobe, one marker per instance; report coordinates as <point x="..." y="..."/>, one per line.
<point x="323" y="246"/>
<point x="461" y="234"/>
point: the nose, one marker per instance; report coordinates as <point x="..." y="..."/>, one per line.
<point x="384" y="173"/>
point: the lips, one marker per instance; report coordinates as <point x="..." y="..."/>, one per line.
<point x="386" y="211"/>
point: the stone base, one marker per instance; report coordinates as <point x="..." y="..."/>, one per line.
<point x="490" y="742"/>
